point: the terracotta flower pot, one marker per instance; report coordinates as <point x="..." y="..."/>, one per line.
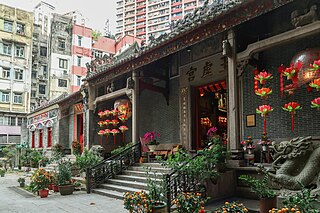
<point x="43" y="193"/>
<point x="55" y="188"/>
<point x="267" y="203"/>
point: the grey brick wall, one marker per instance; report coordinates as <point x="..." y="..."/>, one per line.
<point x="279" y="121"/>
<point x="64" y="132"/>
<point x="155" y="114"/>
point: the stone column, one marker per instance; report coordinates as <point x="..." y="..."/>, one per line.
<point x="233" y="106"/>
<point x="135" y="107"/>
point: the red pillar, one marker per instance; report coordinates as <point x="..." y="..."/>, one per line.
<point x="32" y="140"/>
<point x="40" y="138"/>
<point x="49" y="137"/>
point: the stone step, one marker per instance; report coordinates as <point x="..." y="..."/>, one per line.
<point x="142" y="174"/>
<point x="152" y="169"/>
<point x="153" y="165"/>
<point x="109" y="193"/>
<point x="121" y="189"/>
<point x="134" y="178"/>
<point x="133" y="184"/>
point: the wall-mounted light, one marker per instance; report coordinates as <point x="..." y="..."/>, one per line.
<point x="201" y="92"/>
<point x="188" y="49"/>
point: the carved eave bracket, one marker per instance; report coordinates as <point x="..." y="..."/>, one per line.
<point x="150" y="86"/>
<point x="241" y="67"/>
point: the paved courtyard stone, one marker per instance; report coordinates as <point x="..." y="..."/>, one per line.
<point x="15" y="199"/>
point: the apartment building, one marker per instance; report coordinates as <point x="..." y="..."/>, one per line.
<point x="16" y="28"/>
<point x="60" y="56"/>
<point x="81" y="48"/>
<point x="145" y="18"/>
<point x="43" y="13"/>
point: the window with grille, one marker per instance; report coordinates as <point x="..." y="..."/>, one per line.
<point x="19" y="51"/>
<point x="79" y="41"/>
<point x="17" y="98"/>
<point x="6" y="48"/>
<point x="42" y="89"/>
<point x="63" y="63"/>
<point x="5" y="97"/>
<point x="18" y="74"/>
<point x="5" y="73"/>
<point x="61" y="43"/>
<point x="43" y="51"/>
<point x="79" y="61"/>
<point x="20" y="29"/>
<point x="62" y="83"/>
<point x="7" y="26"/>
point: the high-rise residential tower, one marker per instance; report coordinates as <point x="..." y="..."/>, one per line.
<point x="145" y="18"/>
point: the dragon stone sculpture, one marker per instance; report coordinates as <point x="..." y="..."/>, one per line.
<point x="299" y="166"/>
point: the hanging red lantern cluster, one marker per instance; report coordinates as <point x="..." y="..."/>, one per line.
<point x="264" y="92"/>
<point x="121" y="111"/>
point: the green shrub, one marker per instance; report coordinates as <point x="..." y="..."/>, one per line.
<point x="259" y="186"/>
<point x="120" y="149"/>
<point x="87" y="160"/>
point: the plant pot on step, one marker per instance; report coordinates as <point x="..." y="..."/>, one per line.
<point x="22" y="185"/>
<point x="267" y="203"/>
<point x="66" y="189"/>
<point x="43" y="193"/>
<point x="55" y="188"/>
<point x="159" y="207"/>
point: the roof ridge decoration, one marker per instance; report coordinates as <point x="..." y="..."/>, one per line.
<point x="199" y="16"/>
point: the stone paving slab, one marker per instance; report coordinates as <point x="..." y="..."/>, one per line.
<point x="13" y="200"/>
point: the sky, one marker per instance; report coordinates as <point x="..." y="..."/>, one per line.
<point x="96" y="11"/>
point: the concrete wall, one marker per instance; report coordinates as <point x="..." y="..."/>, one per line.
<point x="279" y="121"/>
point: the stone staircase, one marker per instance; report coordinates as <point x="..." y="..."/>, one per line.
<point x="131" y="180"/>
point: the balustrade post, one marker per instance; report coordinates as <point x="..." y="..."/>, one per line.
<point x="168" y="193"/>
<point x="88" y="172"/>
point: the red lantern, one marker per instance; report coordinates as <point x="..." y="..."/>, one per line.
<point x="292" y="107"/>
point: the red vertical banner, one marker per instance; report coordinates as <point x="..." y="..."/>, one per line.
<point x="32" y="140"/>
<point x="40" y="138"/>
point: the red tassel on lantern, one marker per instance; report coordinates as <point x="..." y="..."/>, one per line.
<point x="264" y="124"/>
<point x="256" y="83"/>
<point x="114" y="140"/>
<point x="280" y="70"/>
<point x="292" y="121"/>
<point x="101" y="140"/>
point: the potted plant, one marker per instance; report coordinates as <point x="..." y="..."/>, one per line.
<point x="303" y="201"/>
<point x="52" y="177"/>
<point x="189" y="202"/>
<point x="153" y="201"/>
<point x="151" y="138"/>
<point x="233" y="207"/>
<point x="260" y="187"/>
<point x="157" y="193"/>
<point x="21" y="181"/>
<point x="2" y="172"/>
<point x="40" y="181"/>
<point x="64" y="178"/>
